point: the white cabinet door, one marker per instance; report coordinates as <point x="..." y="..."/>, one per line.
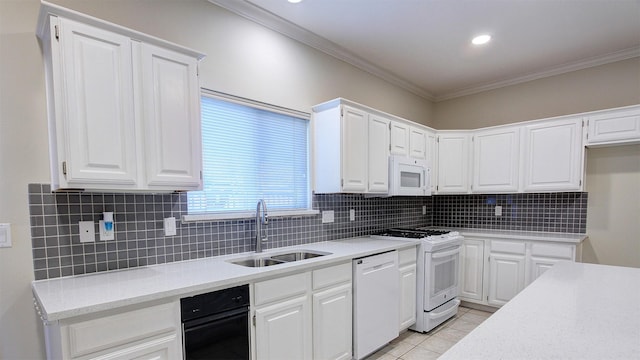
<point x="506" y="277"/>
<point x="97" y="137"/>
<point x="399" y="138"/>
<point x="354" y="150"/>
<point x="417" y="143"/>
<point x="453" y="163"/>
<point x="621" y="126"/>
<point x="496" y="155"/>
<point x="332" y="323"/>
<point x="171" y="106"/>
<point x="283" y="330"/>
<point x="553" y="155"/>
<point x="539" y="265"/>
<point x="432" y="159"/>
<point x="407" y="296"/>
<point x="163" y="348"/>
<point x="378" y="154"/>
<point x="472" y="269"/>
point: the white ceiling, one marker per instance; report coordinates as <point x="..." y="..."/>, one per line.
<point x="424" y="45"/>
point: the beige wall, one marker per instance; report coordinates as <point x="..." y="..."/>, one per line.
<point x="602" y="87"/>
<point x="613" y="213"/>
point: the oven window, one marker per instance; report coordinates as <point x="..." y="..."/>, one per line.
<point x="445" y="274"/>
<point x="409" y="179"/>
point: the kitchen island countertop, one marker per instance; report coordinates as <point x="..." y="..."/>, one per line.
<point x="573" y="311"/>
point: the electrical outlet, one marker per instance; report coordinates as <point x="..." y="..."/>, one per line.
<point x="424" y="210"/>
<point x="352" y="215"/>
<point x="5" y="235"/>
<point x="169" y="226"/>
<point x="498" y="210"/>
<point x="87" y="231"/>
<point x="327" y="216"/>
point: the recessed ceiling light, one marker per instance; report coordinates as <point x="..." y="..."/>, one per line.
<point x="481" y="39"/>
<point x="294" y="1"/>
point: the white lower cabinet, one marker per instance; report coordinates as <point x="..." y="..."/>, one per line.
<point x="493" y="271"/>
<point x="506" y="276"/>
<point x="304" y="316"/>
<point x="408" y="278"/>
<point x="472" y="269"/>
<point x="148" y="333"/>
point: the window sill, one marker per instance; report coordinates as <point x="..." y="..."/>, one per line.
<point x="246" y="215"/>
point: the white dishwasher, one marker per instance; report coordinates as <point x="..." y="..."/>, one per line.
<point x="376" y="302"/>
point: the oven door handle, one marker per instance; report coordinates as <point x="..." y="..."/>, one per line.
<point x="438" y="255"/>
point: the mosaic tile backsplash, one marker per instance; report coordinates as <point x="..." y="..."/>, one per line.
<point x="139" y="235"/>
<point x="549" y="212"/>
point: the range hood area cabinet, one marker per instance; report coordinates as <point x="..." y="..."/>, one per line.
<point x="123" y="107"/>
<point x="351" y="149"/>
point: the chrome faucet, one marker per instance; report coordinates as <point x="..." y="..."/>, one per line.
<point x="264" y="220"/>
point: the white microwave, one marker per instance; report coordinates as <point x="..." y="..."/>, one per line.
<point x="408" y="177"/>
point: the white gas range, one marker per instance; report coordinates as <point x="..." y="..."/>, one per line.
<point x="437" y="273"/>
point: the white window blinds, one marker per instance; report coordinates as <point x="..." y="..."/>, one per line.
<point x="250" y="153"/>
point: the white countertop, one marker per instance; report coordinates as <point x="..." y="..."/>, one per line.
<point x="522" y="235"/>
<point x="78" y="295"/>
<point x="573" y="311"/>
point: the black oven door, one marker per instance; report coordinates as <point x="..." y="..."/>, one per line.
<point x="217" y="337"/>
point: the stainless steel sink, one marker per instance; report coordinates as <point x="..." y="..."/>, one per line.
<point x="278" y="259"/>
<point x="296" y="256"/>
<point x="257" y="262"/>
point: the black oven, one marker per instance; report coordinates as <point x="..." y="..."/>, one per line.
<point x="215" y="325"/>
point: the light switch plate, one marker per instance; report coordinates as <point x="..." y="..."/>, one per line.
<point x="169" y="226"/>
<point x="327" y="216"/>
<point x="352" y="215"/>
<point x="424" y="210"/>
<point x="498" y="210"/>
<point x="87" y="231"/>
<point x="5" y="235"/>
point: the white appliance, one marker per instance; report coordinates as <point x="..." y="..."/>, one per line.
<point x="408" y="176"/>
<point x="437" y="274"/>
<point x="375" y="302"/>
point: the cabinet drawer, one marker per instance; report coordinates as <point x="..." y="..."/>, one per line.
<point x="508" y="247"/>
<point x="332" y="275"/>
<point x="553" y="250"/>
<point x="407" y="256"/>
<point x="281" y="288"/>
<point x="110" y="331"/>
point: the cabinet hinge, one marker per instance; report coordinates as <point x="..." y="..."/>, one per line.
<point x="341" y="112"/>
<point x="64" y="168"/>
<point x="487" y="297"/>
<point x="341" y="182"/>
<point x="200" y="174"/>
<point x="580" y="183"/>
<point x="438" y="139"/>
<point x="437" y="187"/>
<point x="254" y="320"/>
<point x="389" y="147"/>
<point x="57" y="33"/>
<point x="197" y="69"/>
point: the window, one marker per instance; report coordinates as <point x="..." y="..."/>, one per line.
<point x="251" y="151"/>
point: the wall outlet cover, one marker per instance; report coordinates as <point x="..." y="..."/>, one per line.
<point x="352" y="215"/>
<point x="106" y="234"/>
<point x="327" y="216"/>
<point x="5" y="235"/>
<point x="170" y="226"/>
<point x="424" y="210"/>
<point x="87" y="231"/>
<point x="498" y="210"/>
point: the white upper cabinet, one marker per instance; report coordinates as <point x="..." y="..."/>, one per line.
<point x="453" y="162"/>
<point x="123" y="107"/>
<point x="614" y="127"/>
<point x="95" y="128"/>
<point x="408" y="140"/>
<point x="378" y="154"/>
<point x="496" y="154"/>
<point x="171" y="99"/>
<point x="553" y="155"/>
<point x="400" y="138"/>
<point x="351" y="149"/>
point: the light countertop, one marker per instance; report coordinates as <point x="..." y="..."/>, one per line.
<point x="523" y="235"/>
<point x="78" y="295"/>
<point x="573" y="311"/>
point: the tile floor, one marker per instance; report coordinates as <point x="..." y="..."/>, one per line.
<point x="411" y="345"/>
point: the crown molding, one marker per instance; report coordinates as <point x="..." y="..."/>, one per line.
<point x="552" y="71"/>
<point x="276" y="23"/>
<point x="289" y="29"/>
